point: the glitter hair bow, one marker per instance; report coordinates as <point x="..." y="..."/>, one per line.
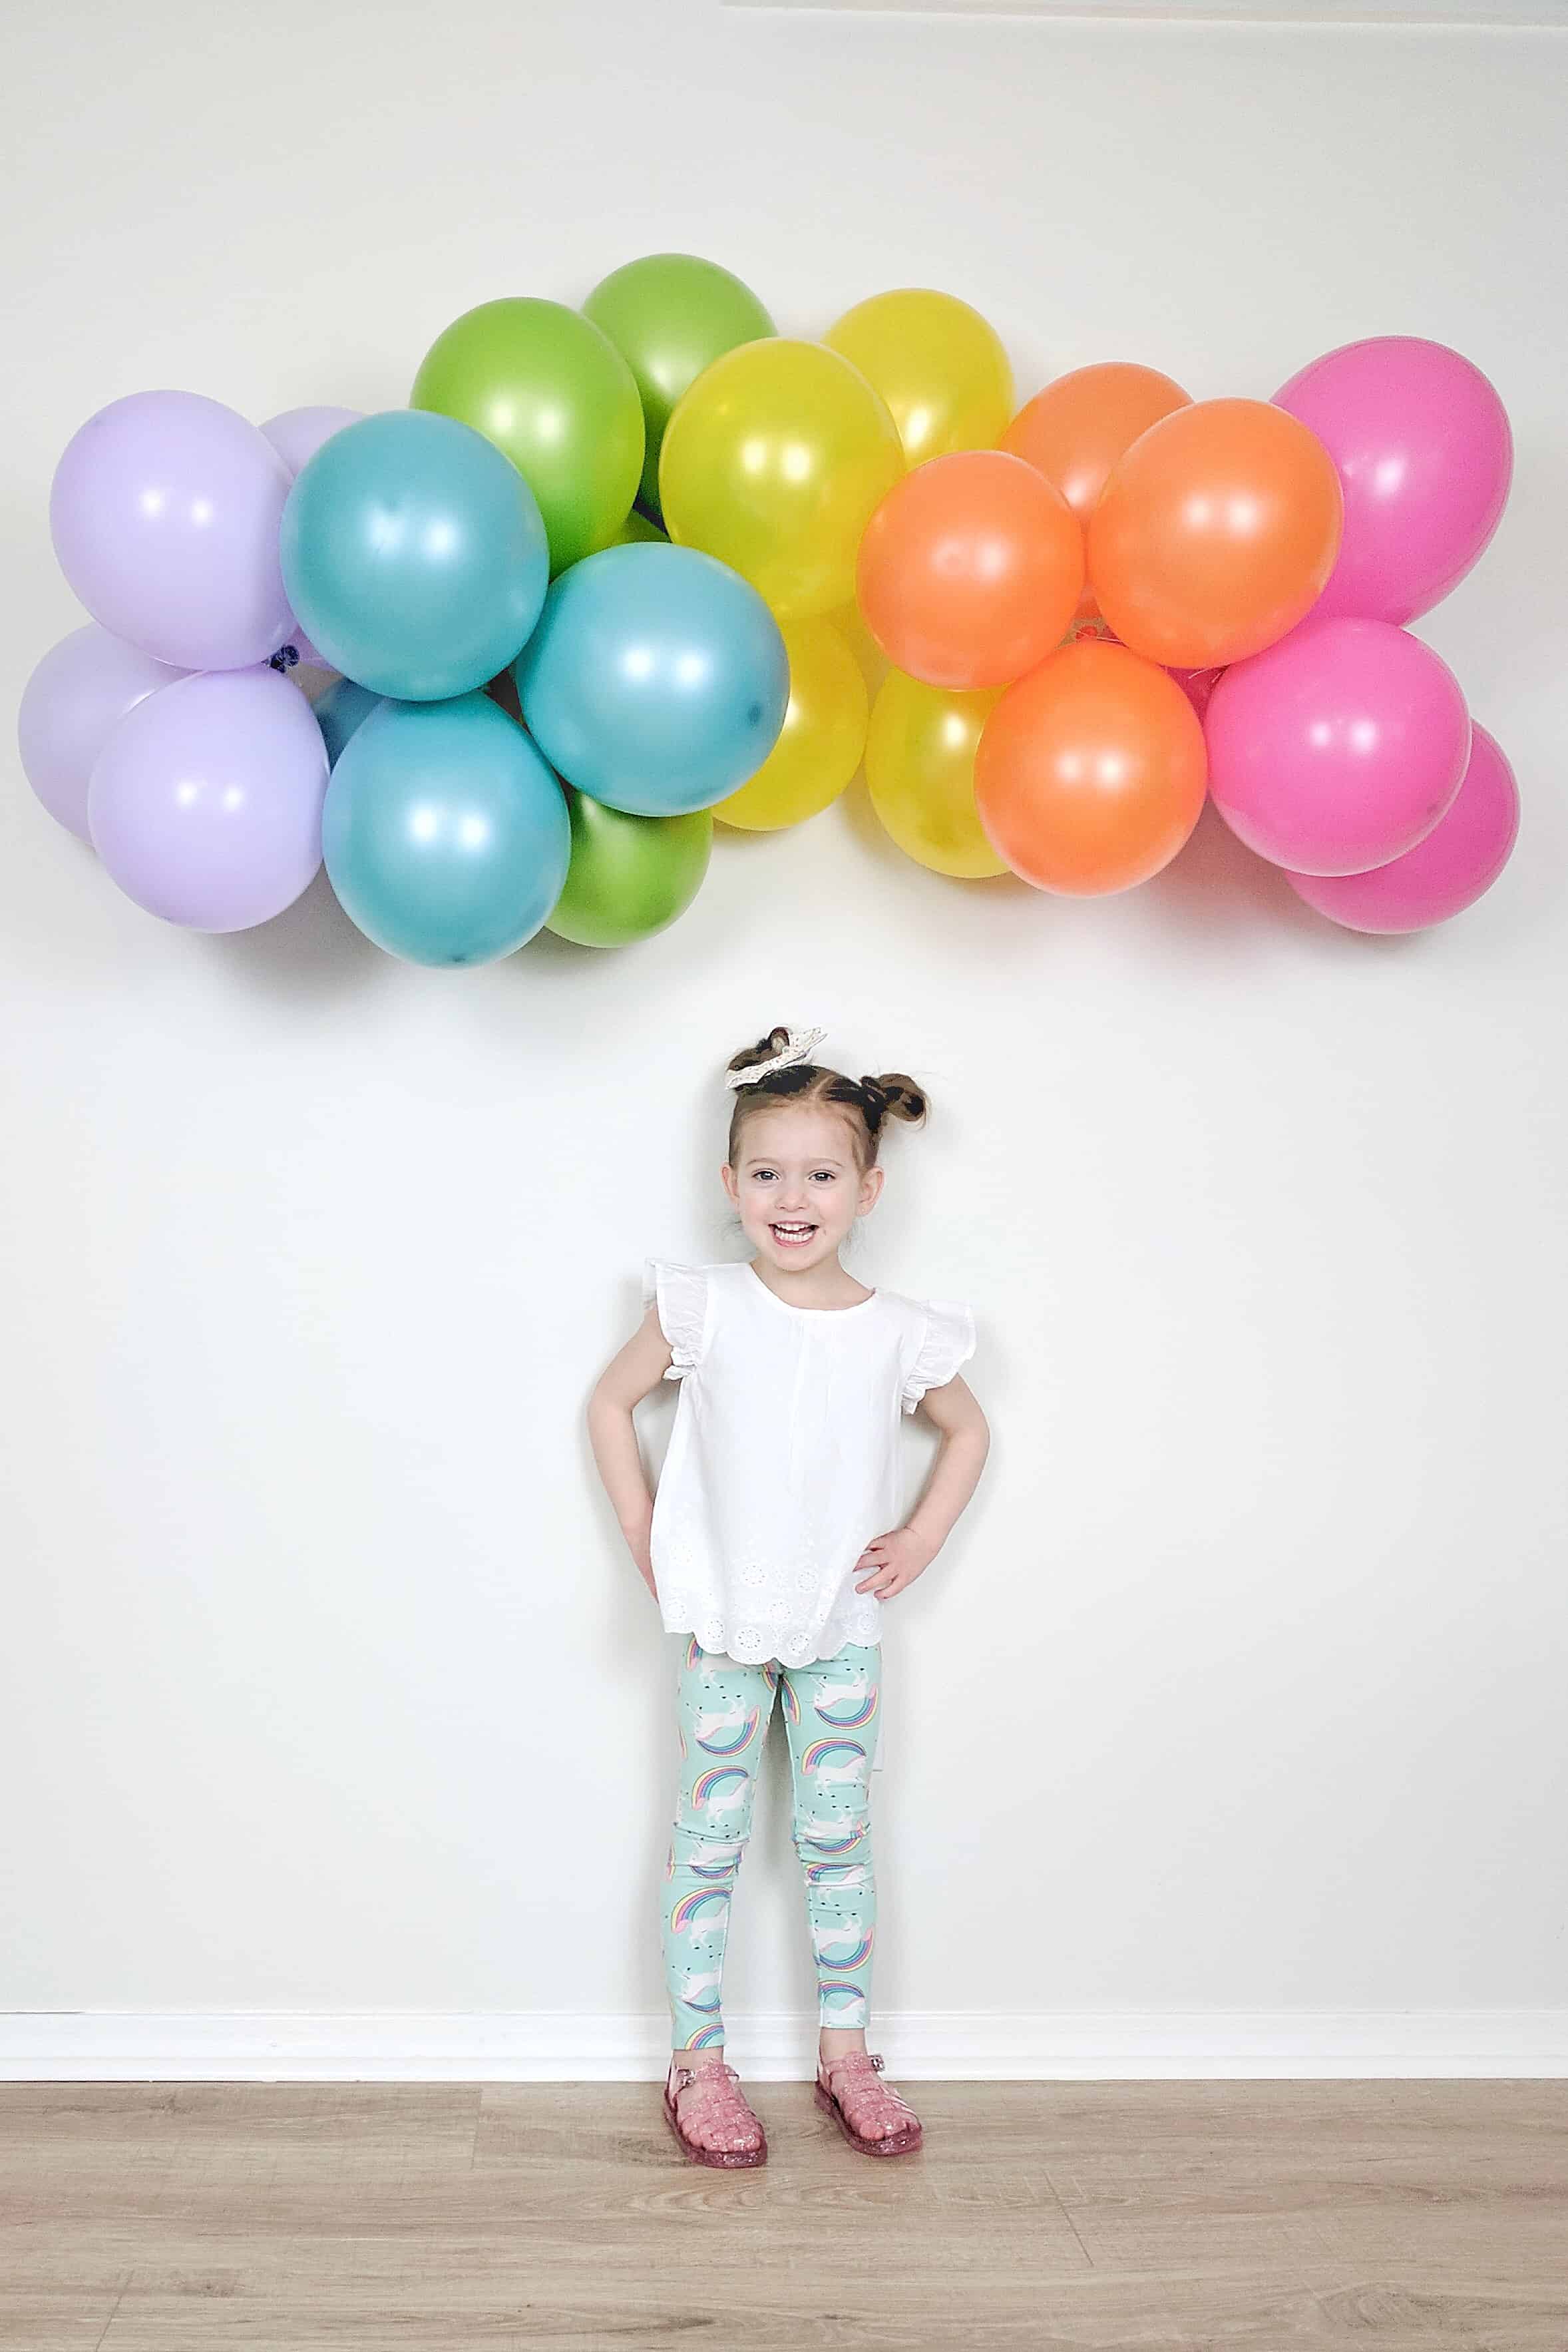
<point x="798" y="1049"/>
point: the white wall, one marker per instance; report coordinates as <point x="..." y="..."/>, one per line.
<point x="1239" y="1686"/>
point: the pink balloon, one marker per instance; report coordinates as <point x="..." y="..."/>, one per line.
<point x="297" y="434"/>
<point x="1337" y="749"/>
<point x="1198" y="684"/>
<point x="1459" y="859"/>
<point x="205" y="803"/>
<point x="1425" y="457"/>
<point x="164" y="513"/>
<point x="81" y="689"/>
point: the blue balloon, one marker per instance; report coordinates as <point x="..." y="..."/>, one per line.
<point x="445" y="835"/>
<point x="656" y="680"/>
<point x="414" y="555"/>
<point x="342" y="710"/>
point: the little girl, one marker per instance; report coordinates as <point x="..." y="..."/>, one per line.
<point x="772" y="1545"/>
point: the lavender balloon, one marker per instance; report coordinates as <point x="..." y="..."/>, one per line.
<point x="297" y="434"/>
<point x="205" y="803"/>
<point x="82" y="688"/>
<point x="164" y="513"/>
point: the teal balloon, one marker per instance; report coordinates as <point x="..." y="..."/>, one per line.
<point x="656" y="680"/>
<point x="445" y="834"/>
<point x="414" y="555"/>
<point x="629" y="876"/>
<point x="340" y="711"/>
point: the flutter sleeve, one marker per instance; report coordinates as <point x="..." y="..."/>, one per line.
<point x="946" y="1341"/>
<point x="682" y="1295"/>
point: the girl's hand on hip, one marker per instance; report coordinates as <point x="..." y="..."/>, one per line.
<point x="892" y="1561"/>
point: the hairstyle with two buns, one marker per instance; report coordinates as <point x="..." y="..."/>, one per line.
<point x="866" y="1103"/>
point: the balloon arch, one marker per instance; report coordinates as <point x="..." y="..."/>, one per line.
<point x="609" y="578"/>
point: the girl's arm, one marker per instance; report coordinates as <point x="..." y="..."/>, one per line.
<point x="892" y="1561"/>
<point x="632" y="1374"/>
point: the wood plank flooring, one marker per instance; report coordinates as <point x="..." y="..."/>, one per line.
<point x="1375" y="2217"/>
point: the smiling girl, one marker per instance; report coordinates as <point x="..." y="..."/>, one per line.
<point x="773" y="1543"/>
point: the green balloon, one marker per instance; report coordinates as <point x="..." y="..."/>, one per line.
<point x="638" y="528"/>
<point x="555" y="396"/>
<point x="629" y="876"/>
<point x="671" y="315"/>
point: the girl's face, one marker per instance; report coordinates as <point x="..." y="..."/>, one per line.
<point x="797" y="1185"/>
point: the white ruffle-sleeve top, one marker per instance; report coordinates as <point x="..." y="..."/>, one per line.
<point x="782" y="1464"/>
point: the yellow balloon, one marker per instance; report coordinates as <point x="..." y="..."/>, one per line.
<point x="920" y="770"/>
<point x="940" y="367"/>
<point x="774" y="460"/>
<point x="823" y="737"/>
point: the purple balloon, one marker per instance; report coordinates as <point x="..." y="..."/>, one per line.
<point x="298" y="433"/>
<point x="205" y="803"/>
<point x="1459" y="860"/>
<point x="164" y="513"/>
<point x="1337" y="749"/>
<point x="1424" y="456"/>
<point x="81" y="689"/>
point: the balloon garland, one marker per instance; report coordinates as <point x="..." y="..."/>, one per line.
<point x="595" y="587"/>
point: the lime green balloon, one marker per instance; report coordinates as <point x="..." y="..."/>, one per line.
<point x="639" y="527"/>
<point x="553" y="392"/>
<point x="670" y="314"/>
<point x="629" y="876"/>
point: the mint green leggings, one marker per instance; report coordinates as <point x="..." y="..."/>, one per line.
<point x="724" y="1709"/>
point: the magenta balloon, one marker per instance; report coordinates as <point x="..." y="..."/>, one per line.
<point x="1460" y="859"/>
<point x="205" y="803"/>
<point x="1337" y="749"/>
<point x="1424" y="456"/>
<point x="298" y="433"/>
<point x="1197" y="685"/>
<point x="164" y="513"/>
<point x="81" y="689"/>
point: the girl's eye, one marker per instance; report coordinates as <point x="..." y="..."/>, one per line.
<point x="826" y="1172"/>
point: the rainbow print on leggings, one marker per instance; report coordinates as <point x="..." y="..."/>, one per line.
<point x="713" y="1792"/>
<point x="818" y="1760"/>
<point x="691" y="1907"/>
<point x="730" y="1733"/>
<point x="860" y="1712"/>
<point x="724" y="1706"/>
<point x="859" y="1941"/>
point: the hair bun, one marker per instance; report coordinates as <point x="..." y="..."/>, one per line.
<point x="898" y="1097"/>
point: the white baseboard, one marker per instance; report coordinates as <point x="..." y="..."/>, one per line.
<point x="921" y="2045"/>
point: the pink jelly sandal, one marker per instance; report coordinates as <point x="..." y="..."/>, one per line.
<point x="905" y="2135"/>
<point x="717" y="2099"/>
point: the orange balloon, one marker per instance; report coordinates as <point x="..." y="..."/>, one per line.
<point x="1091" y="771"/>
<point x="1215" y="533"/>
<point x="1074" y="431"/>
<point x="970" y="570"/>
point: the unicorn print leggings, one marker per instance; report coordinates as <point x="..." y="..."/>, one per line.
<point x="725" y="1708"/>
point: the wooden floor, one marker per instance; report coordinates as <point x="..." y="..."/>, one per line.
<point x="372" y="2218"/>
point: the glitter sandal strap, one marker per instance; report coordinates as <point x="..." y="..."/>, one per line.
<point x="715" y="2097"/>
<point x="868" y="2100"/>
